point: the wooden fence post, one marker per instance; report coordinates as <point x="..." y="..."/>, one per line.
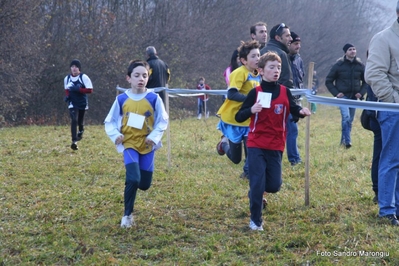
<point x="307" y="139"/>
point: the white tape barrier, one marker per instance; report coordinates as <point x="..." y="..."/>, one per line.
<point x="380" y="106"/>
<point x="189" y="92"/>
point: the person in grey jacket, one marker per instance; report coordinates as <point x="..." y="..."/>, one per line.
<point x="346" y="80"/>
<point x="383" y="76"/>
<point x="280" y="39"/>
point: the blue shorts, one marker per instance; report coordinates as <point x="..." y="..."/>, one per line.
<point x="234" y="133"/>
<point x="145" y="161"/>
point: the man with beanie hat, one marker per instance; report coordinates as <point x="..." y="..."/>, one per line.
<point x="346" y="80"/>
<point x="347" y="46"/>
<point x="298" y="74"/>
<point x="77" y="85"/>
<point x="383" y="77"/>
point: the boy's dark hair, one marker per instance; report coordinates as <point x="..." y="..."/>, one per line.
<point x="135" y="63"/>
<point x="246" y="47"/>
<point x="277" y="30"/>
<point x="269" y="56"/>
<point x="252" y="30"/>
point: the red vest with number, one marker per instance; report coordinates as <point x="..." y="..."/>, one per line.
<point x="268" y="127"/>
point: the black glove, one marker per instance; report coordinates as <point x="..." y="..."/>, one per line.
<point x="74" y="88"/>
<point x="66" y="99"/>
<point x="295" y="119"/>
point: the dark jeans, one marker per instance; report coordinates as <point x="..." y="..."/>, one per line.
<point x="377" y="146"/>
<point x="347" y="116"/>
<point x="201" y="106"/>
<point x="291" y="144"/>
<point x="77" y="117"/>
<point x="388" y="168"/>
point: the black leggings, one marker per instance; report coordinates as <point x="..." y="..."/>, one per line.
<point x="77" y="116"/>
<point x="234" y="153"/>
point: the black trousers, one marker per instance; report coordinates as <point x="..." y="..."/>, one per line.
<point x="264" y="176"/>
<point x="77" y="116"/>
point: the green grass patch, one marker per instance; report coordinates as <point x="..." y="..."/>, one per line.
<point x="63" y="207"/>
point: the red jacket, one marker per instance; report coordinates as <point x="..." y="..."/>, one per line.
<point x="203" y="87"/>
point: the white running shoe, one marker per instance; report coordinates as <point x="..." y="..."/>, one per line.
<point x="199" y="116"/>
<point x="254" y="227"/>
<point x="127" y="221"/>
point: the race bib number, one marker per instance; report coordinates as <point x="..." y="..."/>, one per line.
<point x="135" y="120"/>
<point x="264" y="98"/>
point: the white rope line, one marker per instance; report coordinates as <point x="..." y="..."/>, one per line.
<point x="379" y="106"/>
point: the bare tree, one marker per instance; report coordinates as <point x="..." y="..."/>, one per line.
<point x="39" y="38"/>
<point x="20" y="61"/>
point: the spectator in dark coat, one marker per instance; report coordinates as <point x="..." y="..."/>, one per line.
<point x="346" y="80"/>
<point x="280" y="39"/>
<point x="159" y="71"/>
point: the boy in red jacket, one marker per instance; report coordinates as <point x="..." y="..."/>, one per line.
<point x="268" y="106"/>
<point x="203" y="98"/>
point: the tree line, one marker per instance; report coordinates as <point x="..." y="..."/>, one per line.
<point x="39" y="38"/>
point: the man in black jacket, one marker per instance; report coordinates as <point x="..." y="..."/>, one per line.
<point x="280" y="39"/>
<point x="159" y="74"/>
<point x="346" y="80"/>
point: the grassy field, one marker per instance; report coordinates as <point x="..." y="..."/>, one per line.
<point x="63" y="207"/>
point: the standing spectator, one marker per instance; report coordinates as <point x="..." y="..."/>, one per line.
<point x="315" y="87"/>
<point x="346" y="80"/>
<point x="159" y="71"/>
<point x="203" y="98"/>
<point x="266" y="138"/>
<point x="280" y="38"/>
<point x="298" y="73"/>
<point x="259" y="33"/>
<point x="242" y="80"/>
<point x="77" y="85"/>
<point x="374" y="125"/>
<point x="383" y="76"/>
<point x="135" y="124"/>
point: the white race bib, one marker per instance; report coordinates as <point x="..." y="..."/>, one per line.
<point x="264" y="98"/>
<point x="135" y="120"/>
